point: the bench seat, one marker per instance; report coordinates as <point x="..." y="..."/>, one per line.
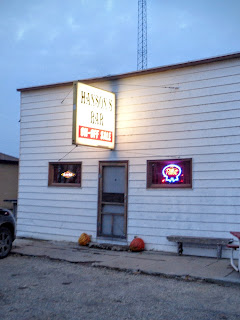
<point x="233" y="246"/>
<point x="218" y="242"/>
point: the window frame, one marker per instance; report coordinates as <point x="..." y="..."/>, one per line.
<point x="67" y="185"/>
<point x="150" y="185"/>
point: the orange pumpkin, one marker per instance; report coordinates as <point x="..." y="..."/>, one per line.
<point x="137" y="244"/>
<point x="84" y="239"/>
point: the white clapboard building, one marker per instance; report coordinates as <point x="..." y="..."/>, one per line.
<point x="151" y="153"/>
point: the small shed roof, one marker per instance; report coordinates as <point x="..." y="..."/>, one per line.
<point x="6" y="158"/>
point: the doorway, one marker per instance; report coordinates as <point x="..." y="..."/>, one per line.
<point x="112" y="199"/>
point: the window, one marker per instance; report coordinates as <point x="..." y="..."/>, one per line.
<point x="169" y="173"/>
<point x="65" y="174"/>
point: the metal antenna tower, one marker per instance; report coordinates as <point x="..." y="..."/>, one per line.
<point x="142" y="35"/>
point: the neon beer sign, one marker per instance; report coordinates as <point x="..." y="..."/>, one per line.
<point x="171" y="173"/>
<point x="68" y="174"/>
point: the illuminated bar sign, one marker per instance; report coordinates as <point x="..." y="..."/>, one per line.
<point x="93" y="116"/>
<point x="68" y="174"/>
<point x="169" y="173"/>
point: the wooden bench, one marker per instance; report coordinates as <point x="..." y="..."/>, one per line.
<point x="219" y="242"/>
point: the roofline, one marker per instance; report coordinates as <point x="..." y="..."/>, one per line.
<point x="140" y="72"/>
<point x="6" y="158"/>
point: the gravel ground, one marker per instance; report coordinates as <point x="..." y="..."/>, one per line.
<point x="40" y="289"/>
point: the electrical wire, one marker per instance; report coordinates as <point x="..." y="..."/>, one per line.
<point x="67" y="95"/>
<point x="68" y="153"/>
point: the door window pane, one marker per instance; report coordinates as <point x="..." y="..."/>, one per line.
<point x="113" y="197"/>
<point x="106" y="225"/>
<point x="118" y="226"/>
<point x="107" y="208"/>
<point x="113" y="179"/>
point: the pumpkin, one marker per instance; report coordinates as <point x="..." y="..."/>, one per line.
<point x="84" y="239"/>
<point x="137" y="244"/>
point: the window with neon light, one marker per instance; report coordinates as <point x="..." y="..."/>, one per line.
<point x="65" y="174"/>
<point x="173" y="173"/>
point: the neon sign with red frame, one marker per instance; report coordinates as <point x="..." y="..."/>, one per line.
<point x="176" y="173"/>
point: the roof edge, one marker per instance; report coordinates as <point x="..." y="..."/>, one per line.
<point x="6" y="158"/>
<point x="140" y="72"/>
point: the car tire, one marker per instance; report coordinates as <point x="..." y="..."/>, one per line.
<point x="6" y="240"/>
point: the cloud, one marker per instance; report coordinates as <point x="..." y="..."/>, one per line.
<point x="184" y="19"/>
<point x="183" y="25"/>
<point x="5" y="116"/>
<point x="81" y="50"/>
<point x="44" y="52"/>
<point x="23" y="29"/>
<point x="109" y="5"/>
<point x="20" y="33"/>
<point x="72" y="24"/>
<point x="53" y="35"/>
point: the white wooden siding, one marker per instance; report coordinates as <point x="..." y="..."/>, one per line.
<point x="192" y="112"/>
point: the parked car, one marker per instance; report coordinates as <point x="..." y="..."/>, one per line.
<point x="7" y="231"/>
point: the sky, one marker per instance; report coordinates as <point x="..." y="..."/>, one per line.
<point x="51" y="41"/>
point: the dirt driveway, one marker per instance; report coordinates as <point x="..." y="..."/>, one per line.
<point x="39" y="289"/>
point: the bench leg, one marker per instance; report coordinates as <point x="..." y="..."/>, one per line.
<point x="232" y="262"/>
<point x="219" y="251"/>
<point x="239" y="255"/>
<point x="180" y="248"/>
